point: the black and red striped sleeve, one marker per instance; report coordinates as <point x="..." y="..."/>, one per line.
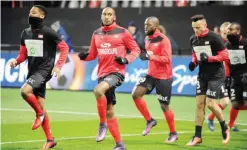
<point x="61" y="46"/>
<point x="22" y="55"/>
<point x="218" y="45"/>
<point x="131" y="44"/>
<point x="93" y="52"/>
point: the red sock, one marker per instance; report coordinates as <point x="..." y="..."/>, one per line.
<point x="114" y="129"/>
<point x="142" y="107"/>
<point x="243" y="107"/>
<point x="233" y="116"/>
<point x="211" y="115"/>
<point x="46" y="128"/>
<point x="170" y="120"/>
<point x="33" y="102"/>
<point x="101" y="105"/>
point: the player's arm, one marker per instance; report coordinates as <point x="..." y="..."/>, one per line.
<point x="22" y="55"/>
<point x="194" y="62"/>
<point x="132" y="46"/>
<point x="165" y="51"/>
<point x="91" y="54"/>
<point x="222" y="52"/>
<point x="62" y="47"/>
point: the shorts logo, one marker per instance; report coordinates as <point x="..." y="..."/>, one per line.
<point x="162" y="98"/>
<point x="108" y="79"/>
<point x="30" y="80"/>
<point x="211" y="93"/>
<point x="142" y="79"/>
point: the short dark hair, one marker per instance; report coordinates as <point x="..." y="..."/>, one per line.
<point x="197" y="17"/>
<point x="42" y="8"/>
<point x="237" y="24"/>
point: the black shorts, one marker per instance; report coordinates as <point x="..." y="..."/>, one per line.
<point x="238" y="92"/>
<point x="114" y="80"/>
<point x="163" y="87"/>
<point x="225" y="91"/>
<point x="38" y="83"/>
<point x="212" y="88"/>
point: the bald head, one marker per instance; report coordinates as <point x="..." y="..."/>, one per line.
<point x="108" y="16"/>
<point x="150" y="25"/>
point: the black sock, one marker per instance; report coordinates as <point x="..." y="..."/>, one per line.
<point x="198" y="132"/>
<point x="223" y="126"/>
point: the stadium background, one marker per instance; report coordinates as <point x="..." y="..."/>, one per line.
<point x="73" y="110"/>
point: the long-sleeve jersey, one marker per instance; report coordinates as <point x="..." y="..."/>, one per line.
<point x="108" y="42"/>
<point x="238" y="56"/>
<point x="39" y="47"/>
<point x="212" y="44"/>
<point x="158" y="47"/>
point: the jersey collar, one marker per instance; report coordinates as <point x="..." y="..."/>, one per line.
<point x="109" y="28"/>
<point x="204" y="33"/>
<point x="156" y="33"/>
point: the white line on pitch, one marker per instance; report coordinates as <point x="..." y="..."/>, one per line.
<point x="96" y="114"/>
<point x="92" y="137"/>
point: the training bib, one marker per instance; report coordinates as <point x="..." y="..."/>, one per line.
<point x="34" y="48"/>
<point x="200" y="49"/>
<point x="237" y="56"/>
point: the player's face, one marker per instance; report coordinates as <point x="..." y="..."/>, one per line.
<point x="232" y="29"/>
<point x="35" y="12"/>
<point x="223" y="32"/>
<point x="108" y="16"/>
<point x="198" y="27"/>
<point x="149" y="27"/>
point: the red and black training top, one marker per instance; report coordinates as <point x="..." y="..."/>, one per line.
<point x="108" y="42"/>
<point x="214" y="67"/>
<point x="39" y="47"/>
<point x="158" y="47"/>
<point x="238" y="64"/>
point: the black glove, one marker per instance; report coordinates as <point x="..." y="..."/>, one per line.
<point x="83" y="55"/>
<point x="121" y="60"/>
<point x="228" y="82"/>
<point x="144" y="56"/>
<point x="192" y="66"/>
<point x="244" y="78"/>
<point x="204" y="57"/>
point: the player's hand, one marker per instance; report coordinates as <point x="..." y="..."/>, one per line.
<point x="56" y="72"/>
<point x="192" y="66"/>
<point x="121" y="60"/>
<point x="83" y="55"/>
<point x="228" y="82"/>
<point x="144" y="56"/>
<point x="13" y="63"/>
<point x="244" y="78"/>
<point x="204" y="57"/>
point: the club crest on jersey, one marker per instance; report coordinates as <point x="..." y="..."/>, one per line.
<point x="40" y="36"/>
<point x="240" y="46"/>
<point x="207" y="42"/>
<point x="150" y="52"/>
<point x="156" y="44"/>
<point x="105" y="45"/>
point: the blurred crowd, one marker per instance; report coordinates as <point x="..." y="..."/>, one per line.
<point x="118" y="3"/>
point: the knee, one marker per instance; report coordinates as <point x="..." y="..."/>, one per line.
<point x="98" y="92"/>
<point x="200" y="105"/>
<point x="210" y="105"/>
<point x="235" y="105"/>
<point x="109" y="113"/>
<point x="164" y="107"/>
<point x="135" y="96"/>
<point x="24" y="93"/>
